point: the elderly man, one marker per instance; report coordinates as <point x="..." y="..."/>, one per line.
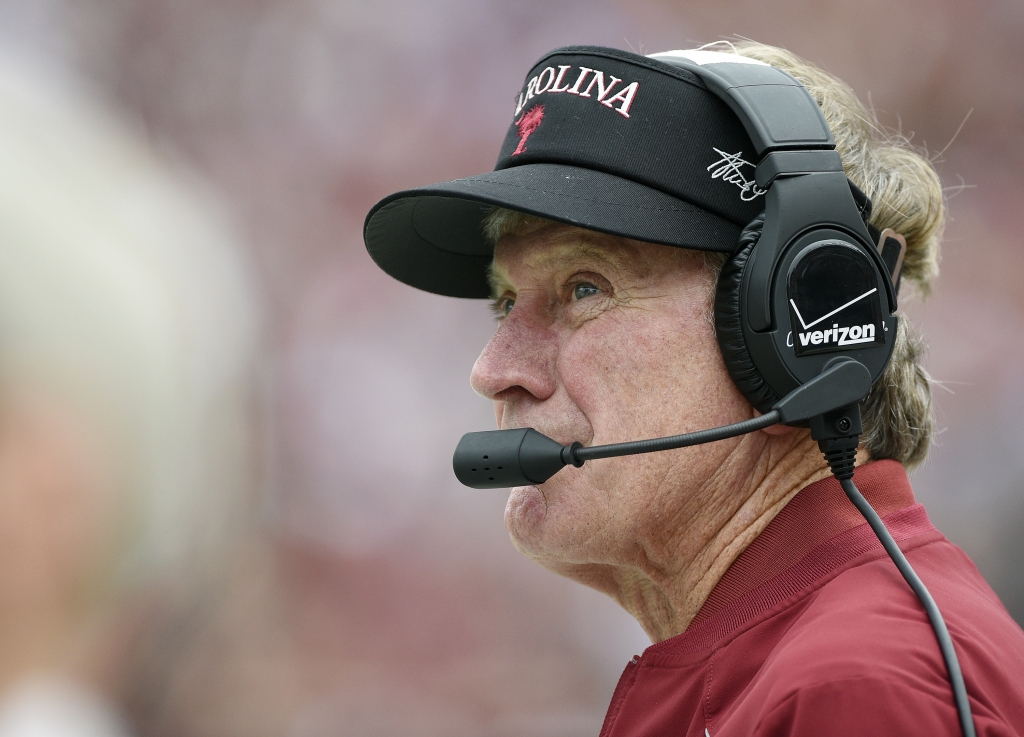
<point x="625" y="191"/>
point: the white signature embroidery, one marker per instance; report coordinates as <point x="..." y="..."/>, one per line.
<point x="728" y="169"/>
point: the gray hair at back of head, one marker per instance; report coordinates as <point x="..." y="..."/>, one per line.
<point x="907" y="197"/>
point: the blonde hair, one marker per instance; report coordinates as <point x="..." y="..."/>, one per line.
<point x="907" y="196"/>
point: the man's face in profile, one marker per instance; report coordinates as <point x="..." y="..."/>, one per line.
<point x="602" y="340"/>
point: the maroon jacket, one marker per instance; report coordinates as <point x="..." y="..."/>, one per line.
<point x="813" y="632"/>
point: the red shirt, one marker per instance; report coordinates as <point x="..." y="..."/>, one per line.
<point x="812" y="631"/>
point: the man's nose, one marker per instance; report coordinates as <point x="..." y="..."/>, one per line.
<point x="519" y="359"/>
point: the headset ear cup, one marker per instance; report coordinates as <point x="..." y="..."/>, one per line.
<point x="729" y="328"/>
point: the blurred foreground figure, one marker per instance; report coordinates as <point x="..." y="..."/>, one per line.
<point x="126" y="338"/>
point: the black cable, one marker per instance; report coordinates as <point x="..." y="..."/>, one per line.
<point x="956" y="677"/>
<point x="580" y="454"/>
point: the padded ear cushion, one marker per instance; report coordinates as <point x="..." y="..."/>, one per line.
<point x="729" y="329"/>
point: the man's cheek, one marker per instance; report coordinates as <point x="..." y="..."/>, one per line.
<point x="589" y="368"/>
<point x="603" y="373"/>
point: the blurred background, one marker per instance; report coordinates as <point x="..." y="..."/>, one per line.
<point x="206" y="527"/>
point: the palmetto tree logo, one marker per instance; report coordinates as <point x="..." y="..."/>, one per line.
<point x="528" y="124"/>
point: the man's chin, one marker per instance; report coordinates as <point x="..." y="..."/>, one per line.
<point x="524" y="518"/>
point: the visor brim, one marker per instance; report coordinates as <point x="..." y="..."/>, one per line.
<point x="432" y="237"/>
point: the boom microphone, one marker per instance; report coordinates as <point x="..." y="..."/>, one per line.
<point x="521" y="457"/>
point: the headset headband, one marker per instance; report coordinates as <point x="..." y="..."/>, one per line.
<point x="777" y="111"/>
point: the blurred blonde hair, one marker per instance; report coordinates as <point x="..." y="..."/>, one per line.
<point x="907" y="196"/>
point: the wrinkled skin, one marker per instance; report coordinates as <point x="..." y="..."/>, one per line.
<point x="607" y="340"/>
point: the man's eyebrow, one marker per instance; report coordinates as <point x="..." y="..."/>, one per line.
<point x="613" y="256"/>
<point x="618" y="254"/>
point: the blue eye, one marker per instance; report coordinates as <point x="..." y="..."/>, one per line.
<point x="505" y="306"/>
<point x="583" y="289"/>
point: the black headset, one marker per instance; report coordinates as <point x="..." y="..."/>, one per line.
<point x="807" y="284"/>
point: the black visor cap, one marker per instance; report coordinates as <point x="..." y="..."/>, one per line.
<point x="601" y="139"/>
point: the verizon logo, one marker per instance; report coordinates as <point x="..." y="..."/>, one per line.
<point x="838" y="335"/>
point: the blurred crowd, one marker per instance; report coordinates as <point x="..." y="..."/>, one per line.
<point x="226" y="501"/>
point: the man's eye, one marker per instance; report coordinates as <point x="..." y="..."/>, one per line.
<point x="583" y="289"/>
<point x="504" y="306"/>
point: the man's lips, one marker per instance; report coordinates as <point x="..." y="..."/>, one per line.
<point x="559" y="435"/>
<point x="563" y="426"/>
